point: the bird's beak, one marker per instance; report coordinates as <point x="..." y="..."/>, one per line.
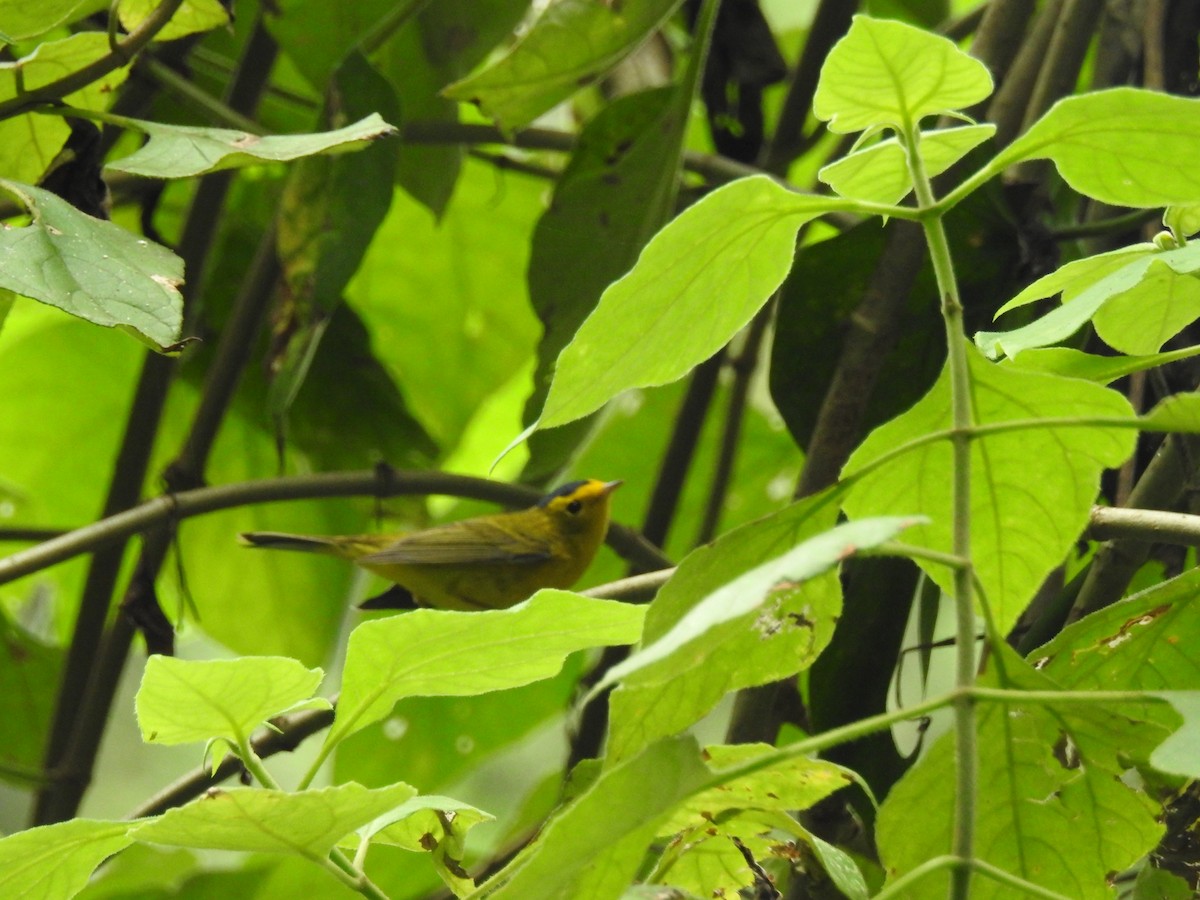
<point x="610" y="486"/>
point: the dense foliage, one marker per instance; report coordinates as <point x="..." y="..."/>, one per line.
<point x="931" y="629"/>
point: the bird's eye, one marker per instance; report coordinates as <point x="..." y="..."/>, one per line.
<point x="574" y="507"/>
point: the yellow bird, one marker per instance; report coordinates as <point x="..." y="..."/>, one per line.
<point x="489" y="562"/>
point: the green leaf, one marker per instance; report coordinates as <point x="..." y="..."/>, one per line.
<point x="1141" y="320"/>
<point x="181" y="701"/>
<point x="1182" y="220"/>
<point x="1056" y="813"/>
<point x="430" y="315"/>
<point x="180" y="151"/>
<point x="614" y="194"/>
<point x="885" y="72"/>
<point x="735" y="246"/>
<point x="593" y="848"/>
<point x="880" y="173"/>
<point x="438" y="45"/>
<point x="434" y="825"/>
<point x="45" y="357"/>
<point x="305" y="823"/>
<point x="299" y="599"/>
<point x="791" y="783"/>
<point x="91" y="268"/>
<point x="56" y="861"/>
<point x="317" y="35"/>
<point x="1141" y="643"/>
<point x="571" y="44"/>
<point x="1177" y="754"/>
<point x="29" y="675"/>
<point x="746" y="651"/>
<point x="192" y="16"/>
<point x="1124" y="146"/>
<point x="24" y="20"/>
<point x="435" y="653"/>
<point x="414" y="824"/>
<point x="1024" y="518"/>
<point x="437" y="741"/>
<point x="760" y="592"/>
<point x="1154" y="290"/>
<point x="30" y="143"/>
<point x="1179" y="412"/>
<point x="1072" y="363"/>
<point x="1078" y="275"/>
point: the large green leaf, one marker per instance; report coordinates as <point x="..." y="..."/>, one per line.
<point x="885" y="72"/>
<point x="1052" y="806"/>
<point x="306" y="823"/>
<point x="57" y="860"/>
<point x="1125" y="146"/>
<point x="446" y="304"/>
<point x="593" y="848"/>
<point x="181" y="701"/>
<point x="699" y="281"/>
<point x="734" y="654"/>
<point x="572" y="43"/>
<point x="432" y="653"/>
<point x="91" y="268"/>
<point x="180" y="151"/>
<point x="435" y="741"/>
<point x="1031" y="489"/>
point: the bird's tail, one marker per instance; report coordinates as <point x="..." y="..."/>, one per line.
<point x="277" y="540"/>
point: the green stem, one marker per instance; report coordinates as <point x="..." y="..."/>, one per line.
<point x="902" y="884"/>
<point x="962" y="416"/>
<point x="344" y="871"/>
<point x="254" y="764"/>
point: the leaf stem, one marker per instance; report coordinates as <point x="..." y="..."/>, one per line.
<point x="344" y="871"/>
<point x="962" y="416"/>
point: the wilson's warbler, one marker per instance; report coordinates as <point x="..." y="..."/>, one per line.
<point x="490" y="562"/>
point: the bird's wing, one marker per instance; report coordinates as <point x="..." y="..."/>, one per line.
<point x="482" y="543"/>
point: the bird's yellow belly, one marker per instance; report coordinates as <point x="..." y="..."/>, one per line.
<point x="477" y="586"/>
